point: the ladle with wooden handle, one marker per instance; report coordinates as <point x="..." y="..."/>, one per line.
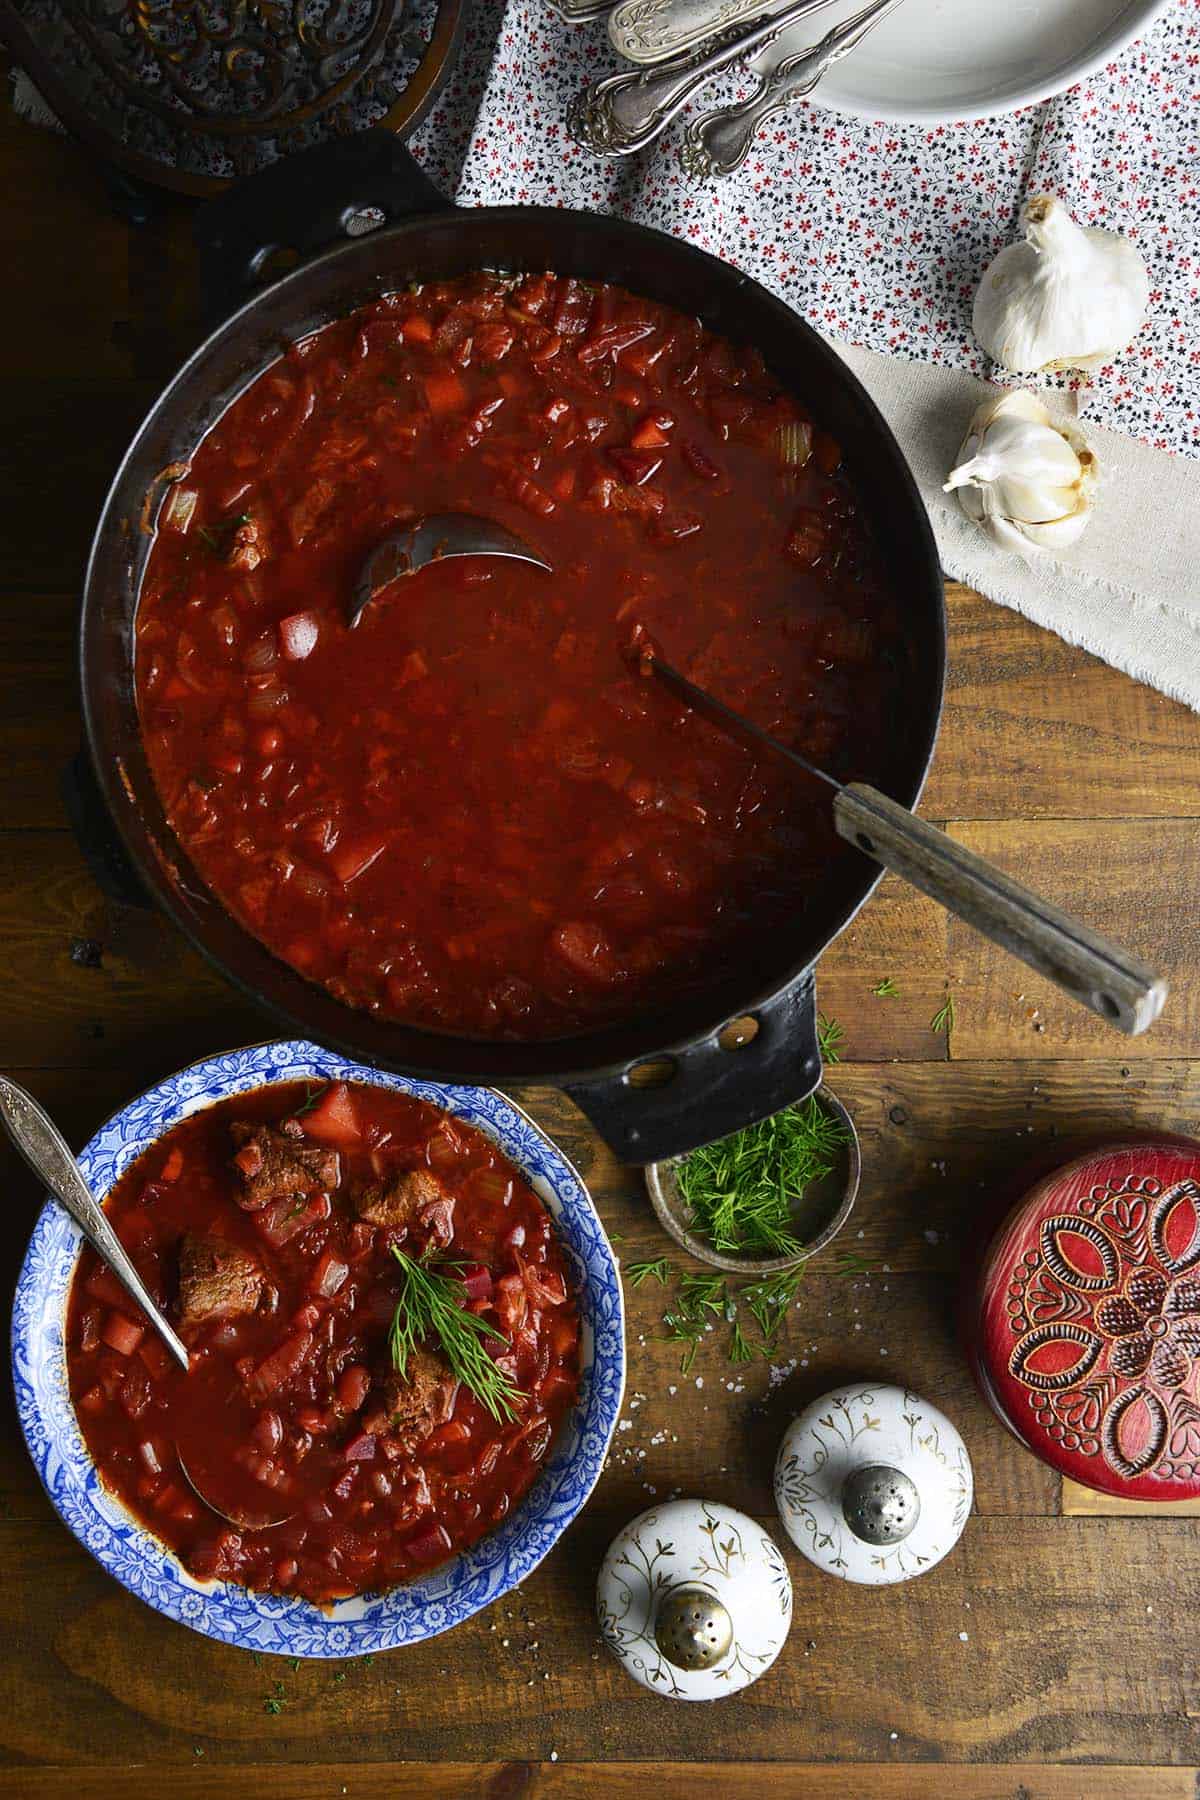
<point x="1113" y="983"/>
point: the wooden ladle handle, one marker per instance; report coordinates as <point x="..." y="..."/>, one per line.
<point x="1113" y="983"/>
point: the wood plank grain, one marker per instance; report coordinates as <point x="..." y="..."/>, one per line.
<point x="1084" y="1503"/>
<point x="92" y="1676"/>
<point x="902" y="935"/>
<point x="1034" y="728"/>
<point x="66" y="1012"/>
<point x="39" y="703"/>
<point x="1129" y="878"/>
<point x="621" y="1781"/>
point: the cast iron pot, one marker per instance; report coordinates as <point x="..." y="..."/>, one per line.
<point x="304" y="206"/>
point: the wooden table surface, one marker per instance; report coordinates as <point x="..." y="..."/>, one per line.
<point x="1053" y="1655"/>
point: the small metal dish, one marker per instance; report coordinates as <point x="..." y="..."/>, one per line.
<point x="819" y="1214"/>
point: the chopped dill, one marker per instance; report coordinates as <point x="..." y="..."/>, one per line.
<point x="313" y="1091"/>
<point x="830" y="1039"/>
<point x="768" y="1300"/>
<point x="642" y="1271"/>
<point x="220" y="537"/>
<point x="885" y="989"/>
<point x="686" y="1322"/>
<point x="943" y="1018"/>
<point x="740" y="1191"/>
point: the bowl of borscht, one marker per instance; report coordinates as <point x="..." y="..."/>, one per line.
<point x="406" y="1340"/>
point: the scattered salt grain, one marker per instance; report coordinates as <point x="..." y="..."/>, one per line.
<point x="931" y="1237"/>
<point x="699" y="1381"/>
<point x="964" y="1637"/>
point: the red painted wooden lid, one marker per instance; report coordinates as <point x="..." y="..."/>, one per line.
<point x="1084" y="1329"/>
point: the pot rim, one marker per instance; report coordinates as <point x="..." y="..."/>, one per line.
<point x="307" y="1009"/>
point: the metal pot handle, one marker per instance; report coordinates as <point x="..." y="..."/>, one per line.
<point x="301" y="205"/>
<point x="713" y="1091"/>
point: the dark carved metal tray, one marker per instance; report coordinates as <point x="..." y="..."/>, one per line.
<point x="193" y="94"/>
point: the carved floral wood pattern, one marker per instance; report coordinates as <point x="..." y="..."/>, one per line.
<point x="1099" y="1292"/>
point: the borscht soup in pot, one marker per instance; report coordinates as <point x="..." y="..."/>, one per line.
<point x="470" y="813"/>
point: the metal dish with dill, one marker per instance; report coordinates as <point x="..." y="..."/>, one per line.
<point x="769" y="1196"/>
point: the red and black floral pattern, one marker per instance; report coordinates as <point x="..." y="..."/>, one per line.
<point x="878" y="233"/>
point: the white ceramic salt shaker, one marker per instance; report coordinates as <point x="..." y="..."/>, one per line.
<point x="873" y="1484"/>
<point x="694" y="1599"/>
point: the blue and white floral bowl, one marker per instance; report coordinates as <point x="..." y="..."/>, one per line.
<point x="291" y="1627"/>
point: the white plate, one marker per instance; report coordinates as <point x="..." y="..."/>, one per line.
<point x="938" y="61"/>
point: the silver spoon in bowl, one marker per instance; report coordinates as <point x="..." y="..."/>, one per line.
<point x="436" y="538"/>
<point x="43" y="1148"/>
<point x="46" y="1152"/>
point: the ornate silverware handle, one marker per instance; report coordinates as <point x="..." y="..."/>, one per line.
<point x="42" y="1146"/>
<point x="626" y="112"/>
<point x="718" y="142"/>
<point x="577" y="12"/>
<point x="650" y="31"/>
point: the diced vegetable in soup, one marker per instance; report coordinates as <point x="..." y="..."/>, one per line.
<point x="470" y="812"/>
<point x="276" y="1228"/>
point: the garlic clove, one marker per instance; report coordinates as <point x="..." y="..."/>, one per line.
<point x="1026" y="479"/>
<point x="1067" y="296"/>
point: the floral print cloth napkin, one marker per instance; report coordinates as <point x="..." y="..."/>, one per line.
<point x="878" y="233"/>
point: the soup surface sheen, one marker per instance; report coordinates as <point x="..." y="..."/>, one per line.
<point x="264" y="1225"/>
<point x="471" y="812"/>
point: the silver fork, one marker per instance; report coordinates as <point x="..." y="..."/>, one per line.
<point x="718" y="142"/>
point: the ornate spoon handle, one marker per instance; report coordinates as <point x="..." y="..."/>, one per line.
<point x="718" y="142"/>
<point x="626" y="112"/>
<point x="42" y="1146"/>
<point x="576" y="12"/>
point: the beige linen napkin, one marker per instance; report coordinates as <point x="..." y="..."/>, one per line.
<point x="1128" y="591"/>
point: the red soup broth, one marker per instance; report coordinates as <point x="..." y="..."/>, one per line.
<point x="263" y="1225"/>
<point x="470" y="812"/>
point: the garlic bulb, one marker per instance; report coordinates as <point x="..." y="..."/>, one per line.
<point x="1067" y="297"/>
<point x="1027" y="479"/>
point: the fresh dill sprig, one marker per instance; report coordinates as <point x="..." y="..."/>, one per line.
<point x="768" y="1300"/>
<point x="885" y="989"/>
<point x="943" y="1018"/>
<point x="220" y="537"/>
<point x="740" y="1349"/>
<point x="430" y="1304"/>
<point x="851" y="1263"/>
<point x="642" y="1271"/>
<point x="313" y="1091"/>
<point x="686" y="1322"/>
<point x="741" y="1191"/>
<point x="830" y="1039"/>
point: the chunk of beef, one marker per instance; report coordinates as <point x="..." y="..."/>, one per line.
<point x="408" y="1407"/>
<point x="280" y="1165"/>
<point x="414" y="1201"/>
<point x="248" y="546"/>
<point x="217" y="1280"/>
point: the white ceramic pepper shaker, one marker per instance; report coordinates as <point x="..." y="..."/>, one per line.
<point x="694" y="1599"/>
<point x="873" y="1484"/>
